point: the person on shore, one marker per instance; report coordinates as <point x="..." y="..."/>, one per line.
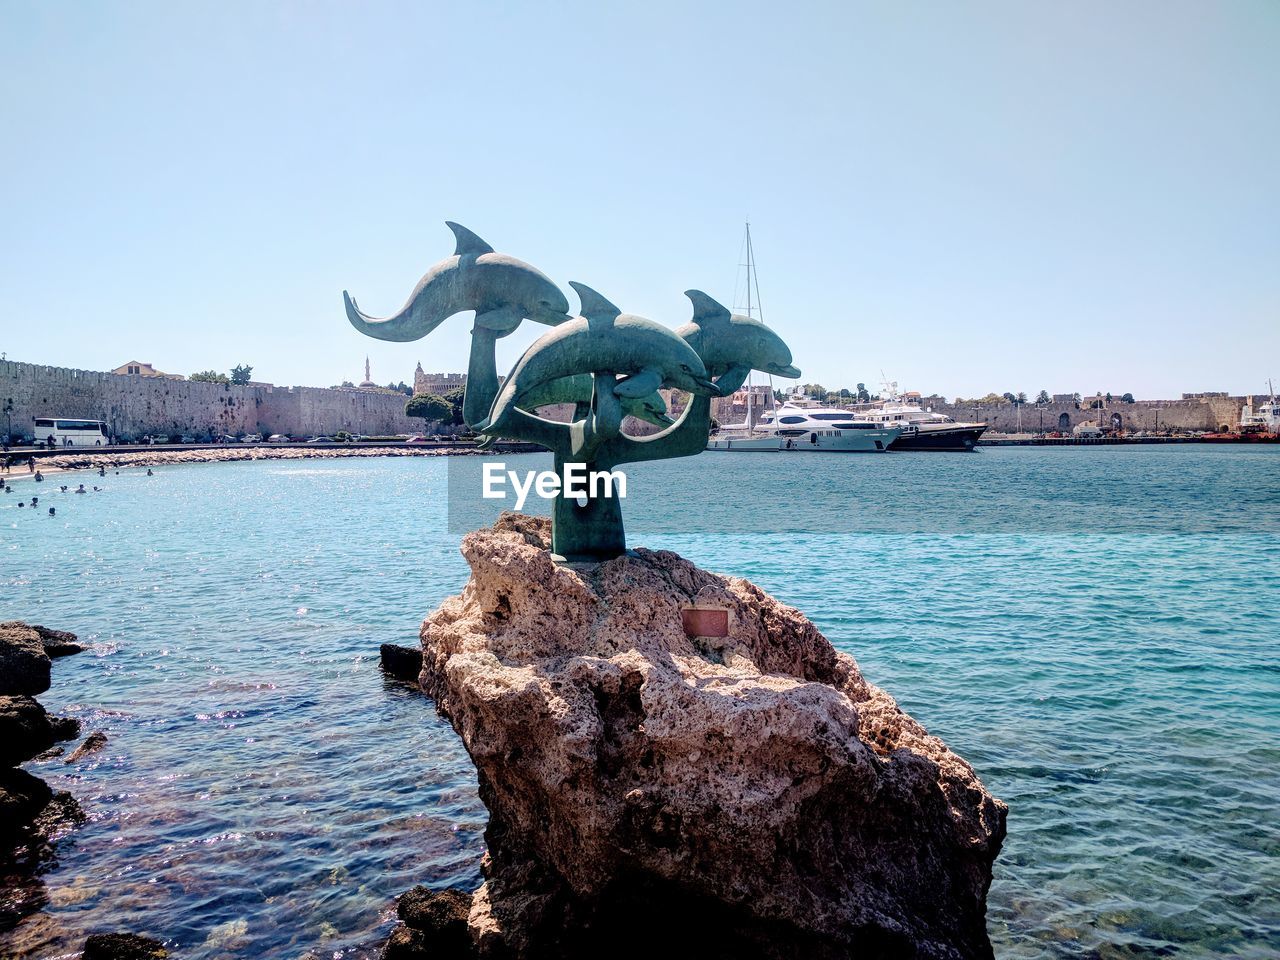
<point x="31" y="464"/>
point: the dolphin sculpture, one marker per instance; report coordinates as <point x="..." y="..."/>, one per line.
<point x="576" y="389"/>
<point x="500" y="289"/>
<point x="604" y="340"/>
<point x="732" y="345"/>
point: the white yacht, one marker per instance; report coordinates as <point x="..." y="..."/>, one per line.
<point x="797" y="426"/>
<point x="1265" y="420"/>
<point x="925" y="430"/>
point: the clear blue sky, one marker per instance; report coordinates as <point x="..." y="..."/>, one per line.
<point x="1009" y="196"/>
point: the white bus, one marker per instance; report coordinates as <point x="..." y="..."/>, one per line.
<point x="61" y="432"/>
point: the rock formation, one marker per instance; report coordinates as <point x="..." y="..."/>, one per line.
<point x="403" y="663"/>
<point x="749" y="795"/>
<point x="29" y="810"/>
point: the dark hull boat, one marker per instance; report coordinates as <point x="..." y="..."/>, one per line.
<point x="941" y="437"/>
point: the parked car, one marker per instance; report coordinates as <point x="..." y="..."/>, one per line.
<point x="418" y="440"/>
<point x="252" y="438"/>
<point x="320" y="440"/>
<point x="186" y="439"/>
<point x="278" y="438"/>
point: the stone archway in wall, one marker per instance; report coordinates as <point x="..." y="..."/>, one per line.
<point x="1064" y="423"/>
<point x="1117" y="422"/>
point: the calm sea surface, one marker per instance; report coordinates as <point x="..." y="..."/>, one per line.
<point x="1096" y="629"/>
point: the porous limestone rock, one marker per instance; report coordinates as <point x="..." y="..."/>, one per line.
<point x="24" y="665"/>
<point x="752" y="792"/>
<point x="24" y="730"/>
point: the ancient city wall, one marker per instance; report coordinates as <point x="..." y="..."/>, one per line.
<point x="1214" y="413"/>
<point x="1149" y="415"/>
<point x="134" y="406"/>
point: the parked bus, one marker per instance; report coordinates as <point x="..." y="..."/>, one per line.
<point x="61" y="432"/>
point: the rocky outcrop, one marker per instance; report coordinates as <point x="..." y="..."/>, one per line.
<point x="58" y="643"/>
<point x="24" y="664"/>
<point x="434" y="926"/>
<point x="24" y="730"/>
<point x="751" y="790"/>
<point x="403" y="663"/>
<point x="29" y="811"/>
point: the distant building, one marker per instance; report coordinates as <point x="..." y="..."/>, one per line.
<point x="136" y="368"/>
<point x="367" y="383"/>
<point x="1210" y="395"/>
<point x="437" y="383"/>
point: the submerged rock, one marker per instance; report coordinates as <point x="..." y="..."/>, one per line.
<point x="403" y="663"/>
<point x="24" y="665"/>
<point x="92" y="744"/>
<point x="753" y="789"/>
<point x="123" y="946"/>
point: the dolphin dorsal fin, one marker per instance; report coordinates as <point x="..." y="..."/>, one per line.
<point x="705" y="307"/>
<point x="468" y="242"/>
<point x="594" y="306"/>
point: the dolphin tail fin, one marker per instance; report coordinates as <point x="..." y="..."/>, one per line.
<point x="468" y="242"/>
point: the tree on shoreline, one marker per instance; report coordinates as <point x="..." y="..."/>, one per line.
<point x="429" y="407"/>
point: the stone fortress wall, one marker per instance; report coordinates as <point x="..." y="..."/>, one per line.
<point x="134" y="406"/>
<point x="1201" y="412"/>
<point x="1208" y="413"/>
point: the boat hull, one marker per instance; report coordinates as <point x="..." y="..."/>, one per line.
<point x="861" y="441"/>
<point x="949" y="438"/>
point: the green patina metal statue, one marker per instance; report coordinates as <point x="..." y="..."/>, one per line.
<point x="606" y="363"/>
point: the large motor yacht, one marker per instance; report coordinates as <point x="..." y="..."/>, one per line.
<point x="925" y="430"/>
<point x="799" y="428"/>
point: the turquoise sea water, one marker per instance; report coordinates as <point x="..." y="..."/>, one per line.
<point x="1096" y="629"/>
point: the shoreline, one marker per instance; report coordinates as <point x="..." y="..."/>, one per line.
<point x="51" y="464"/>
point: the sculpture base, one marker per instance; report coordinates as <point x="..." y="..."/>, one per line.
<point x="637" y="778"/>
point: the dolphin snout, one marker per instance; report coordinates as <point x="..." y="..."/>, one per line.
<point x="783" y="370"/>
<point x="549" y="313"/>
<point x="705" y="386"/>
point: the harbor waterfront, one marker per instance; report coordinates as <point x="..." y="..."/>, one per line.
<point x="1093" y="629"/>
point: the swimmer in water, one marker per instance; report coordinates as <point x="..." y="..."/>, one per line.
<point x="149" y="473"/>
<point x="52" y="511"/>
<point x="81" y="489"/>
<point x="96" y="489"/>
